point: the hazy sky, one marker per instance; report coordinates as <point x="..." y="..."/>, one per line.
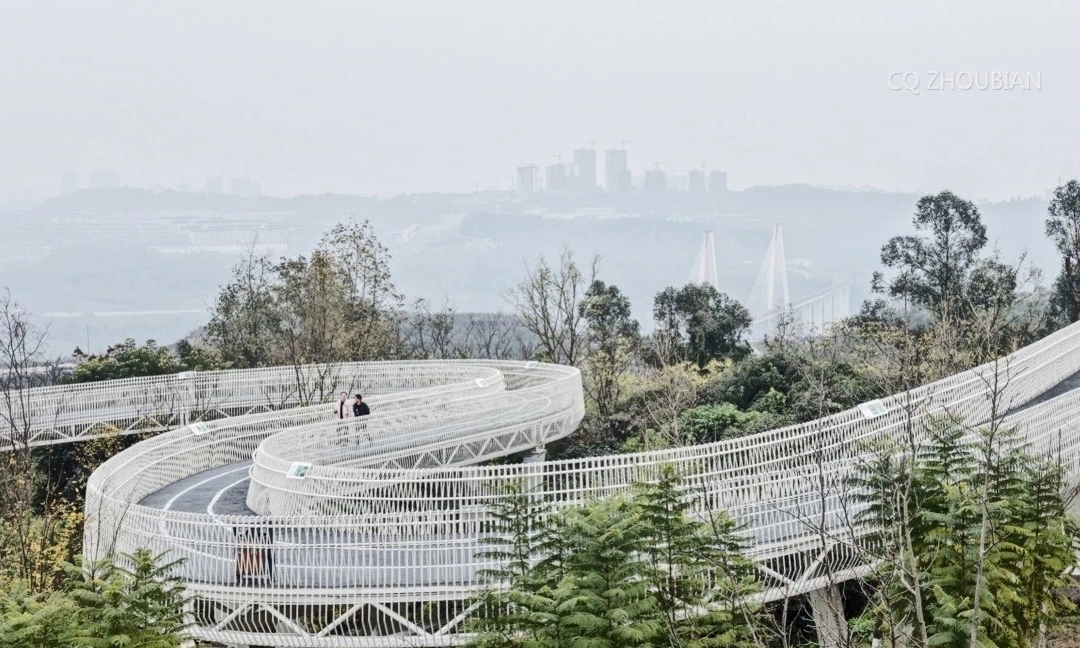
<point x="389" y="97"/>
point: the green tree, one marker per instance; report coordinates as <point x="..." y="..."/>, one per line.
<point x="373" y="304"/>
<point x="662" y="395"/>
<point x="336" y="304"/>
<point x="106" y="607"/>
<point x="1002" y="314"/>
<point x="523" y="542"/>
<point x="311" y="296"/>
<point x="612" y="339"/>
<point x="126" y="360"/>
<point x="708" y="423"/>
<point x="700" y="324"/>
<point x="200" y="357"/>
<point x="244" y="321"/>
<point x="932" y="270"/>
<point x="607" y="597"/>
<point x="753" y="378"/>
<point x="697" y="567"/>
<point x="1063" y="227"/>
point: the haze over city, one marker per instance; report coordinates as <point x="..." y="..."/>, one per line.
<point x="494" y="323"/>
<point x="385" y="98"/>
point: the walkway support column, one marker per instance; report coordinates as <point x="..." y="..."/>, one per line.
<point x="536" y="473"/>
<point x="538" y="454"/>
<point x="828" y="611"/>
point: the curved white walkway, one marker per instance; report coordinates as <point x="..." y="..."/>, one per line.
<point x="365" y="532"/>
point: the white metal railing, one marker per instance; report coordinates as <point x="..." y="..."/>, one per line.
<point x="377" y="544"/>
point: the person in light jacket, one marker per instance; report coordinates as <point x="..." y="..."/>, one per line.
<point x="344" y="407"/>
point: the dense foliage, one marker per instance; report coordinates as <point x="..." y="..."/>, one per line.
<point x="974" y="543"/>
<point x="628" y="571"/>
<point x="1063" y="227"/>
<point x="987" y="542"/>
<point x="111" y="605"/>
<point x="131" y="360"/>
<point x="698" y="323"/>
<point x="708" y="423"/>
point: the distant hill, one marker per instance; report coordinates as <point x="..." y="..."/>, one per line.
<point x="120" y="251"/>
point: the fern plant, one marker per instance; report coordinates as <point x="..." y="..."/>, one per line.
<point x="972" y="537"/>
<point x="141" y="605"/>
<point x="633" y="570"/>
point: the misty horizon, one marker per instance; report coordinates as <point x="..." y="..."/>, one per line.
<point x="388" y="99"/>
<point x="296" y="116"/>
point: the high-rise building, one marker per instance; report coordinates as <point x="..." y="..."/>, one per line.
<point x="616" y="171"/>
<point x="557" y="177"/>
<point x="677" y="182"/>
<point x="655" y="181"/>
<point x="718" y="181"/>
<point x="69" y="182"/>
<point x="585" y="161"/>
<point x="528" y="180"/>
<point x="214" y="185"/>
<point x="695" y="181"/>
<point x="104" y="180"/>
<point x="244" y="187"/>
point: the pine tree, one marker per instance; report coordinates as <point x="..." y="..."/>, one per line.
<point x="108" y="606"/>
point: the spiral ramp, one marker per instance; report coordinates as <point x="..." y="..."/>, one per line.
<point x="299" y="529"/>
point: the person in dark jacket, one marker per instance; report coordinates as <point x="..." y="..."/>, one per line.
<point x="359" y="407"/>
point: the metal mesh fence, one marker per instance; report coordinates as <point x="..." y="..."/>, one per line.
<point x="366" y="531"/>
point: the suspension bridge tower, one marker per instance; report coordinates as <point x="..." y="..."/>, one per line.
<point x="770" y="299"/>
<point x="704" y="271"/>
<point x="770" y="291"/>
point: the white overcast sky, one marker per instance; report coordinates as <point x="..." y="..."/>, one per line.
<point x="390" y="97"/>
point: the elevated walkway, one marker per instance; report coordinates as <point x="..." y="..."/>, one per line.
<point x="299" y="529"/>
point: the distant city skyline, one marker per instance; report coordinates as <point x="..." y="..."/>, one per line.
<point x="598" y="175"/>
<point x="693" y="180"/>
<point x="71" y="181"/>
<point x="582" y="175"/>
<point x="388" y="98"/>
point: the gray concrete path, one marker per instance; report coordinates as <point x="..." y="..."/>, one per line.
<point x="219" y="491"/>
